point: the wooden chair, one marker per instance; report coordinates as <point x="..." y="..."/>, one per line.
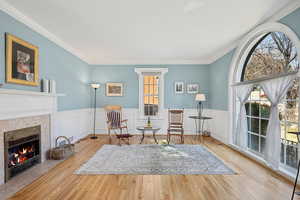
<point x="115" y="123"/>
<point x="175" y="118"/>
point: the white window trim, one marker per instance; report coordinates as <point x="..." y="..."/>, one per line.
<point x="162" y="72"/>
<point x="235" y="72"/>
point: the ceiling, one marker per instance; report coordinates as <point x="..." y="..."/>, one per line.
<point x="147" y="31"/>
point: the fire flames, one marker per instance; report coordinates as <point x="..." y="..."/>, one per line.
<point x="21" y="155"/>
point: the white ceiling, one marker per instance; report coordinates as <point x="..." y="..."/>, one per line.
<point x="147" y="31"/>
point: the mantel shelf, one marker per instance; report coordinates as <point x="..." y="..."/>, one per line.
<point x="29" y="93"/>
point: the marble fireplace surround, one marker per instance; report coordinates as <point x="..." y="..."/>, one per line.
<point x="22" y="109"/>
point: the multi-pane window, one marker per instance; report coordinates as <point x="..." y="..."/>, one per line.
<point x="258" y="113"/>
<point x="274" y="54"/>
<point x="289" y="121"/>
<point x="151" y="94"/>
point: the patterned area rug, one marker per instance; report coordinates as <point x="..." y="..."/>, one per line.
<point x="154" y="159"/>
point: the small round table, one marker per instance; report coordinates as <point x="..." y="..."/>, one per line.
<point x="144" y="129"/>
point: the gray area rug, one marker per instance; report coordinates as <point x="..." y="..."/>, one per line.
<point x="154" y="159"/>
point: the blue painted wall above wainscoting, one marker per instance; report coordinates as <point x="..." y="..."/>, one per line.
<point x="126" y="74"/>
<point x="71" y="73"/>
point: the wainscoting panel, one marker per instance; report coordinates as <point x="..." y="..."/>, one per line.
<point x="74" y="124"/>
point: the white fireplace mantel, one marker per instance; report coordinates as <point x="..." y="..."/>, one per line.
<point x="20" y="103"/>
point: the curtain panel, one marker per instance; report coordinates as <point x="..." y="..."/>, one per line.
<point x="275" y="89"/>
<point x="240" y="136"/>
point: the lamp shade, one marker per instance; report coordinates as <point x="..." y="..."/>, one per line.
<point x="95" y="85"/>
<point x="200" y="97"/>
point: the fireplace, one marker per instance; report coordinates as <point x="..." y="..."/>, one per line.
<point x="22" y="150"/>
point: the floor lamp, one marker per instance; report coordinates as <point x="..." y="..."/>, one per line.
<point x="95" y="86"/>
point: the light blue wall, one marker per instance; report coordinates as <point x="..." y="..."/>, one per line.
<point x="219" y="70"/>
<point x="71" y="73"/>
<point x="125" y="74"/>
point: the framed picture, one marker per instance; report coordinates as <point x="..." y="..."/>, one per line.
<point x="21" y="62"/>
<point x="114" y="89"/>
<point x="179" y="87"/>
<point x="192" y="88"/>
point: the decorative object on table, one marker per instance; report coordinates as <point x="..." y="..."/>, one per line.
<point x="192" y="88"/>
<point x="179" y="87"/>
<point x="52" y="86"/>
<point x="200" y="98"/>
<point x="21" y="62"/>
<point x="114" y="89"/>
<point x="151" y="129"/>
<point x="153" y="159"/>
<point x="95" y="86"/>
<point x="116" y="124"/>
<point x="62" y="151"/>
<point x="45" y="85"/>
<point x="175" y="118"/>
<point x="148" y="125"/>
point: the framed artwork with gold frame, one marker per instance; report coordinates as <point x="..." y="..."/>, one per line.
<point x="22" y="65"/>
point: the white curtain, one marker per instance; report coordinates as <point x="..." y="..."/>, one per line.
<point x="275" y="89"/>
<point x="240" y="136"/>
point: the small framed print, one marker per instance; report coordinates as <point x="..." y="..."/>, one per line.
<point x="192" y="88"/>
<point x="21" y="62"/>
<point x="179" y="87"/>
<point x="114" y="89"/>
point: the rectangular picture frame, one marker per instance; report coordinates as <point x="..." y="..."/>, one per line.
<point x="22" y="62"/>
<point x="114" y="89"/>
<point x="179" y="87"/>
<point x="192" y="88"/>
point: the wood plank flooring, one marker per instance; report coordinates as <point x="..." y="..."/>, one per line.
<point x="252" y="182"/>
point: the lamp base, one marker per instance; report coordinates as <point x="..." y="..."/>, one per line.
<point x="93" y="137"/>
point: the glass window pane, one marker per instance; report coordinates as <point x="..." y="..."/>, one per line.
<point x="264" y="126"/>
<point x="255" y="109"/>
<point x="291" y="111"/>
<point x="274" y="54"/>
<point x="291" y="155"/>
<point x="248" y="122"/>
<point x="146" y="79"/>
<point x="146" y="90"/>
<point x="254" y="125"/>
<point x="291" y="128"/>
<point x="282" y="152"/>
<point x="262" y="145"/>
<point x="254" y="142"/>
<point x="247" y="105"/>
<point x="265" y="108"/>
<point x="293" y="92"/>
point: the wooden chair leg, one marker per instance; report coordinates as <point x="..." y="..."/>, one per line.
<point x="182" y="138"/>
<point x="168" y="138"/>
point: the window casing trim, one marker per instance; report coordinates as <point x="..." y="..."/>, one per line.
<point x="161" y="72"/>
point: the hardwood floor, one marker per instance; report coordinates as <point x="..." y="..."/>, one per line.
<point x="252" y="181"/>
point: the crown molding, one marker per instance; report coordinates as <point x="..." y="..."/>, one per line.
<point x="288" y="9"/>
<point x="151" y="62"/>
<point x="16" y="14"/>
<point x="13" y="12"/>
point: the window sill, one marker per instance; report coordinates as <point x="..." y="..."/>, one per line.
<point x="283" y="171"/>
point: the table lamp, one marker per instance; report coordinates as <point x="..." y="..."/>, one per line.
<point x="200" y="98"/>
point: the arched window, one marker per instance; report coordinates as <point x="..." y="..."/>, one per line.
<point x="273" y="55"/>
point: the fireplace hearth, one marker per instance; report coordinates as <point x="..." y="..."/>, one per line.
<point x="22" y="150"/>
